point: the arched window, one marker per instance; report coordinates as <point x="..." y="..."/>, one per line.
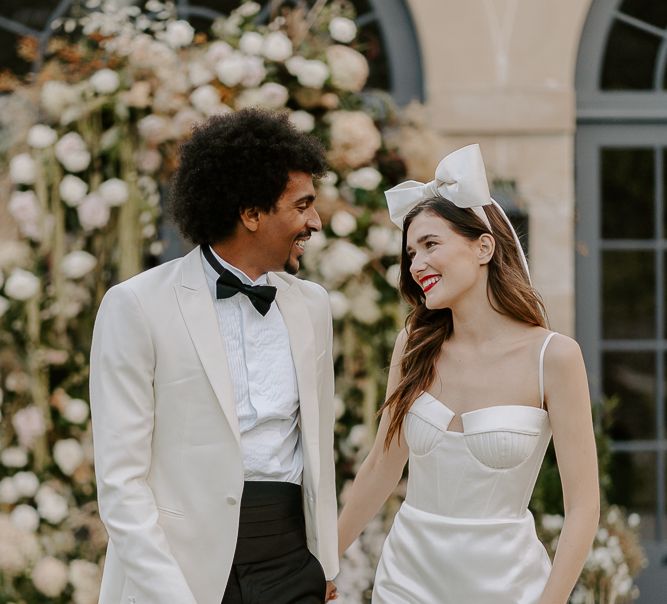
<point x="621" y="288"/>
<point x="395" y="66"/>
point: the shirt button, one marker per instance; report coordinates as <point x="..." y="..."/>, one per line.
<point x="231" y="500"/>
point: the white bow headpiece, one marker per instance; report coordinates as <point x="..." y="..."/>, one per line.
<point x="460" y="178"/>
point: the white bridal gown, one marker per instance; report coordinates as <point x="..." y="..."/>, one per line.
<point x="464" y="534"/>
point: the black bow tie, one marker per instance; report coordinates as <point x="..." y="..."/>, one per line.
<point x="228" y="285"/>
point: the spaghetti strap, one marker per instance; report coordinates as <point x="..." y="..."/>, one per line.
<point x="541" y="370"/>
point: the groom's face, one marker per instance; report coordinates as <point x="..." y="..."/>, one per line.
<point x="287" y="227"/>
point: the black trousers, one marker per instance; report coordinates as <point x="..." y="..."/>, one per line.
<point x="272" y="564"/>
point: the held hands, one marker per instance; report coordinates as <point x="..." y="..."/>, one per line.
<point x="332" y="592"/>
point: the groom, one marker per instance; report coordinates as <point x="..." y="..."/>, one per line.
<point x="212" y="388"/>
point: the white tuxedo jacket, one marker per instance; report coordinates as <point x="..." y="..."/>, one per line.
<point x="167" y="444"/>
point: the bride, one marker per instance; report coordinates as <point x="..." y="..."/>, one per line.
<point x="477" y="386"/>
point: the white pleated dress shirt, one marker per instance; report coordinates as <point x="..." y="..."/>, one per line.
<point x="264" y="380"/>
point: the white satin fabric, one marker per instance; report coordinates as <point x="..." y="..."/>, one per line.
<point x="464" y="534"/>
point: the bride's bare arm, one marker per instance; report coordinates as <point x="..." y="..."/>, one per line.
<point x="569" y="409"/>
<point x="380" y="472"/>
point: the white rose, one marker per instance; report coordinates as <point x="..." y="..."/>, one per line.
<point x="29" y="425"/>
<point x="302" y="120"/>
<point x="154" y="128"/>
<point x="26" y="483"/>
<point x="72" y="153"/>
<point x="273" y="95"/>
<point x="22" y="169"/>
<point x="4" y="306"/>
<point x="552" y="522"/>
<point x="13" y="457"/>
<point x="363" y="304"/>
<point x="358" y="436"/>
<point x="205" y="99"/>
<point x="393" y="275"/>
<point x="41" y="136"/>
<point x="76" y="411"/>
<point x="250" y="97"/>
<point x="634" y="520"/>
<point x="78" y="263"/>
<point x="105" y="81"/>
<point x="251" y="43"/>
<point x="328" y="193"/>
<point x="50" y="576"/>
<point x="294" y="64"/>
<point x="231" y="69"/>
<point x="277" y="47"/>
<point x="339" y="304"/>
<point x="199" y="74"/>
<point x="72" y="190"/>
<point x="254" y="71"/>
<point x="114" y="191"/>
<point x="179" y="34"/>
<point x="24" y="207"/>
<point x="68" y="455"/>
<point x="149" y="160"/>
<point x="50" y="505"/>
<point x="342" y="29"/>
<point x="8" y="491"/>
<point x="343" y="223"/>
<point x="317" y="242"/>
<point x="25" y="517"/>
<point x="379" y="239"/>
<point x="365" y="178"/>
<point x="330" y="178"/>
<point x="349" y="68"/>
<point x="86" y="578"/>
<point x="56" y="96"/>
<point x="218" y="51"/>
<point x="313" y="74"/>
<point x="248" y="9"/>
<point x="93" y="212"/>
<point x="21" y="285"/>
<point x="341" y="260"/>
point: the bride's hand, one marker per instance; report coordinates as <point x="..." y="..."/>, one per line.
<point x="332" y="592"/>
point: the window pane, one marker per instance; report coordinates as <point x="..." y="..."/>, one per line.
<point x="649" y="11"/>
<point x="628" y="294"/>
<point x="630" y="377"/>
<point x="628" y="193"/>
<point x="629" y="60"/>
<point x="633" y="485"/>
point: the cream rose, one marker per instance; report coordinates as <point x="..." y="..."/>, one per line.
<point x="24" y="207"/>
<point x="51" y="506"/>
<point x="29" y="425"/>
<point x="354" y="139"/>
<point x="230" y="70"/>
<point x="76" y="411"/>
<point x="13" y="457"/>
<point x="349" y="68"/>
<point x="206" y="99"/>
<point x="26" y="483"/>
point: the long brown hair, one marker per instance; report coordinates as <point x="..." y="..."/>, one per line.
<point x="508" y="289"/>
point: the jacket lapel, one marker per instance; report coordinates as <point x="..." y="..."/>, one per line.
<point x="302" y="343"/>
<point x="196" y="304"/>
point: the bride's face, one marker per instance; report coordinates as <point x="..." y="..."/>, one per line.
<point x="444" y="264"/>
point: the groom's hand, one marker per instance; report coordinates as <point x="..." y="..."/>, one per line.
<point x="332" y="592"/>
